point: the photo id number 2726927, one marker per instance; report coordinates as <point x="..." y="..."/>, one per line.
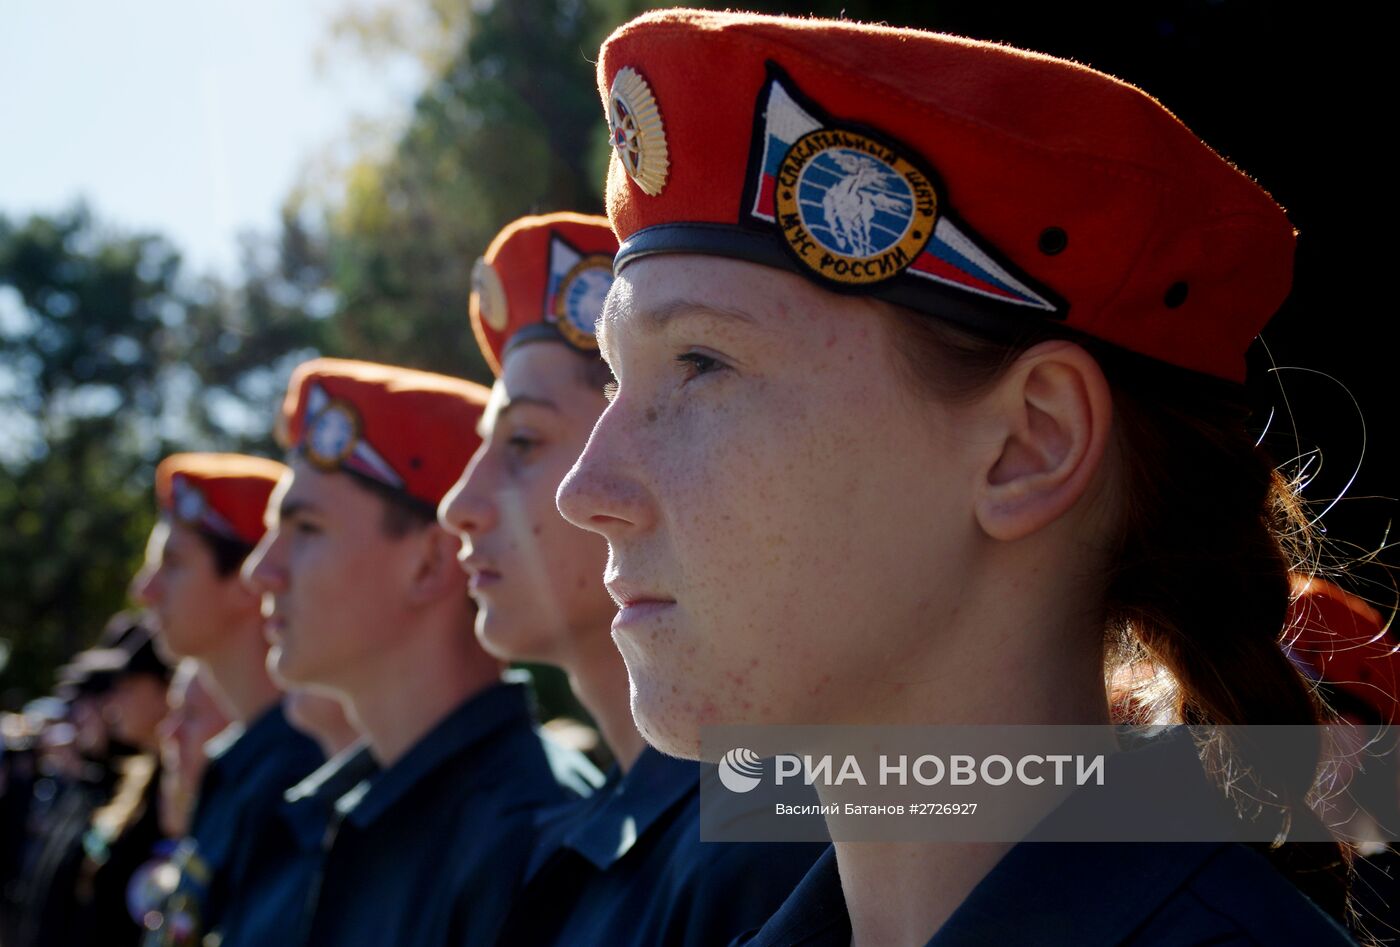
<point x="943" y="808"/>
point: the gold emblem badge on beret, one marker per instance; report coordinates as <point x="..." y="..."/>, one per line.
<point x="332" y="434"/>
<point x="489" y="296"/>
<point x="638" y="136"/>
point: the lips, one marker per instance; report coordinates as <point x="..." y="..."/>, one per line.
<point x="483" y="579"/>
<point x="636" y="603"/>
<point x="482" y="571"/>
<point x="274" y="624"/>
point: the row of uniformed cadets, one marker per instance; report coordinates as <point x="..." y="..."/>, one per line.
<point x="450" y="819"/>
<point x="384" y="782"/>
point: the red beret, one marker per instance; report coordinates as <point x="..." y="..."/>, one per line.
<point x="1336" y="638"/>
<point x="969" y="180"/>
<point x="408" y="430"/>
<point x="222" y="494"/>
<point x="542" y="278"/>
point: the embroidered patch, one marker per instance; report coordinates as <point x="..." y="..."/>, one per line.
<point x="857" y="209"/>
<point x="489" y="296"/>
<point x="851" y="209"/>
<point x="192" y="508"/>
<point x="187" y="500"/>
<point x="578" y="285"/>
<point x="332" y="434"/>
<point x="334" y="439"/>
<point x="638" y="135"/>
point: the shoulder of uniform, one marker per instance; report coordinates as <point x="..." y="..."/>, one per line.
<point x="1239" y="896"/>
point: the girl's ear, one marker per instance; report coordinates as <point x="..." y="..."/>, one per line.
<point x="1052" y="412"/>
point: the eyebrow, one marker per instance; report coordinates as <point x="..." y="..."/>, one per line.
<point x="509" y="405"/>
<point x="291" y="508"/>
<point x="654" y="320"/>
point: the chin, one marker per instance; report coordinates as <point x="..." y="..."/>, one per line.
<point x="281" y="665"/>
<point x="511" y="641"/>
<point x="179" y="645"/>
<point x="667" y="721"/>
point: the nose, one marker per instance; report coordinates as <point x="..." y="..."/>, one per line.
<point x="602" y="492"/>
<point x="262" y="572"/>
<point x="465" y="511"/>
<point x="145" y="586"/>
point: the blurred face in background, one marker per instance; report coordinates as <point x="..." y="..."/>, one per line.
<point x="134" y="708"/>
<point x="90" y="733"/>
<point x="537" y="580"/>
<point x="192" y="719"/>
<point x="181" y="585"/>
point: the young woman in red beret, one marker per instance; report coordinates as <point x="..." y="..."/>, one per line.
<point x="927" y="411"/>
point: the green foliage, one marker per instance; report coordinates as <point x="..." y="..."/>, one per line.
<point x="108" y="361"/>
<point x="510" y="127"/>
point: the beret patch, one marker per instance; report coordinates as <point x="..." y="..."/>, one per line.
<point x="543" y="278"/>
<point x="578" y="285"/>
<point x="855" y="208"/>
<point x="411" y="431"/>
<point x="223" y="495"/>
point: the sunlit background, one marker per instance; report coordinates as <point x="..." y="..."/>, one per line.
<point x="192" y="120"/>
<point x="195" y="196"/>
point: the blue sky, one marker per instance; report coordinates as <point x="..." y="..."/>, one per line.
<point x="193" y="119"/>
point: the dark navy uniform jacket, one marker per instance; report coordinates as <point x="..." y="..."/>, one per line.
<point x="240" y="793"/>
<point x="284" y="862"/>
<point x="627" y="867"/>
<point x="1097" y="894"/>
<point x="431" y="850"/>
<point x="1092" y="894"/>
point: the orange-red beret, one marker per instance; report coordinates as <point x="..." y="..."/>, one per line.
<point x="965" y="179"/>
<point x="222" y="494"/>
<point x="1338" y="639"/>
<point x="408" y="430"/>
<point x="542" y="278"/>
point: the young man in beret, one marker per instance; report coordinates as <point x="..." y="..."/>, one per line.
<point x="627" y="866"/>
<point x="212" y="509"/>
<point x="363" y="597"/>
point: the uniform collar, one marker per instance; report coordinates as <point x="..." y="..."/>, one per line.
<point x="308" y="805"/>
<point x="1096" y="893"/>
<point x="236" y="750"/>
<point x="815" y="912"/>
<point x="472" y="722"/>
<point x="628" y="805"/>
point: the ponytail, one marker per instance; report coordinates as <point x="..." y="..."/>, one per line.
<point x="1200" y="590"/>
<point x="1198" y="582"/>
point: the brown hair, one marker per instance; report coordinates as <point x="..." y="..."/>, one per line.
<point x="1198" y="584"/>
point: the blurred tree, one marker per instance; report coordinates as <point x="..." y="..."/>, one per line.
<point x="108" y="360"/>
<point x="506" y="126"/>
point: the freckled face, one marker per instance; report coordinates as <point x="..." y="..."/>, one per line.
<point x="786" y="521"/>
<point x="537" y="579"/>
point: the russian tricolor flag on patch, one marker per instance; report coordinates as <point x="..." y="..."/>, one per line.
<point x="951" y="256"/>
